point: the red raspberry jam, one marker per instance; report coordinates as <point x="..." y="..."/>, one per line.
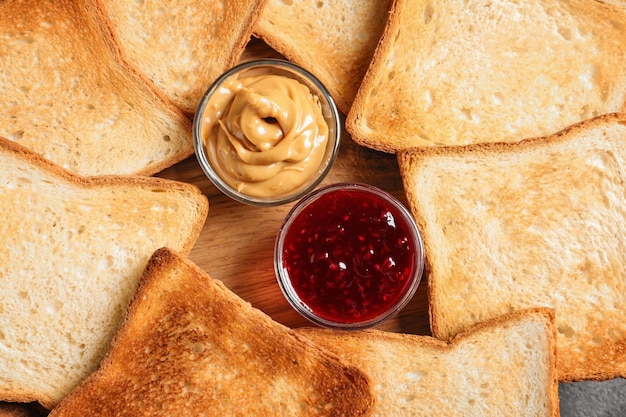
<point x="351" y="254"/>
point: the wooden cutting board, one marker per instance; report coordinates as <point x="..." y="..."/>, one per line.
<point x="236" y="245"/>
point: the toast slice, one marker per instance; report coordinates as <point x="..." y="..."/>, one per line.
<point x="535" y="223"/>
<point x="182" y="46"/>
<point x="504" y="367"/>
<point x="335" y="40"/>
<point x="189" y="347"/>
<point x="67" y="94"/>
<point x="73" y="249"/>
<point x="455" y="72"/>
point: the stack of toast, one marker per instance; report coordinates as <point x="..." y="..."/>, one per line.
<point x="508" y="120"/>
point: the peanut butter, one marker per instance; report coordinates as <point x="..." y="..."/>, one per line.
<point x="265" y="135"/>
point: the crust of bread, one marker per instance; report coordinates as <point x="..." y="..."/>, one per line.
<point x="13" y="410"/>
<point x="74" y="249"/>
<point x="69" y="96"/>
<point x="419" y="375"/>
<point x="453" y="72"/>
<point x="190" y="344"/>
<point x="182" y="46"/>
<point x="22" y="410"/>
<point x="335" y="40"/>
<point x="508" y="226"/>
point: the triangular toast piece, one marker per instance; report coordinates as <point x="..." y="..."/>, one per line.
<point x="190" y="347"/>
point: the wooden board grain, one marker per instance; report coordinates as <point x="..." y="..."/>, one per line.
<point x="236" y="245"/>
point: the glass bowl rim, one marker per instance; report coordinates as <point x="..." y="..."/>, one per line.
<point x="324" y="95"/>
<point x="285" y="283"/>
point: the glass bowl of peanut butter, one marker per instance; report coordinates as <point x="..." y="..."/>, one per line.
<point x="266" y="132"/>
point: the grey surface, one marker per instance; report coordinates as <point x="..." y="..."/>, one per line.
<point x="593" y="399"/>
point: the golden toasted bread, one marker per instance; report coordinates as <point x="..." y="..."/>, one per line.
<point x="73" y="249"/>
<point x="335" y="39"/>
<point x="455" y="72"/>
<point x="535" y="223"/>
<point x="190" y="347"/>
<point x="68" y="95"/>
<point x="503" y="367"/>
<point x="182" y="46"/>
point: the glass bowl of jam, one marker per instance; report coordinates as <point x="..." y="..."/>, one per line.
<point x="348" y="256"/>
<point x="266" y="132"/>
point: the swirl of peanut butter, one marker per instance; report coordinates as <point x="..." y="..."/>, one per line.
<point x="265" y="135"/>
